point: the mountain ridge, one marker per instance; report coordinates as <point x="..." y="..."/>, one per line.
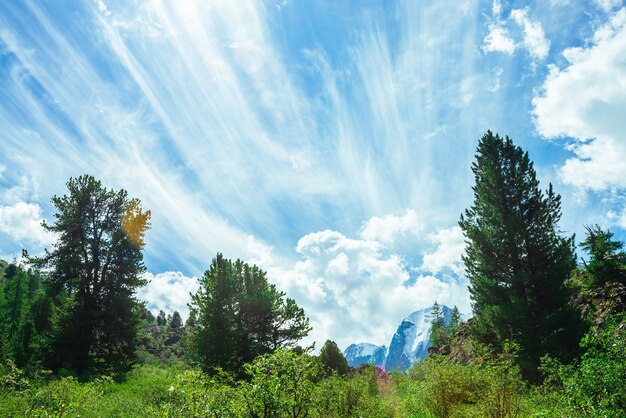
<point x="409" y="344"/>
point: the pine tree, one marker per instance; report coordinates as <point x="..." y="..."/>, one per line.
<point x="332" y="360"/>
<point x="455" y="321"/>
<point x="607" y="261"/>
<point x="146" y="314"/>
<point x="240" y="315"/>
<point x="516" y="259"/>
<point x="161" y="318"/>
<point x="177" y="321"/>
<point x="191" y="320"/>
<point x="437" y="326"/>
<point x="25" y="317"/>
<point x="98" y="262"/>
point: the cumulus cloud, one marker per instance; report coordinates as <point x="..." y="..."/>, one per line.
<point x="389" y="227"/>
<point x="498" y="40"/>
<point x="21" y="222"/>
<point x="586" y="101"/>
<point x="450" y="245"/>
<point x="534" y="37"/>
<point x="359" y="289"/>
<point x="168" y="291"/>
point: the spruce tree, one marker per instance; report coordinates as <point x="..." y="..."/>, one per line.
<point x="240" y="315"/>
<point x="177" y="321"/>
<point x="161" y="318"/>
<point x="607" y="262"/>
<point x="98" y="262"/>
<point x="437" y="326"/>
<point x="332" y="360"/>
<point x="25" y="317"/>
<point x="516" y="259"/>
<point x="455" y="320"/>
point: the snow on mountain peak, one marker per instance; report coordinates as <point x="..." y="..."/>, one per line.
<point x="409" y="344"/>
<point x="365" y="353"/>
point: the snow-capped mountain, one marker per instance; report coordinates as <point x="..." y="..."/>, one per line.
<point x="365" y="353"/>
<point x="412" y="339"/>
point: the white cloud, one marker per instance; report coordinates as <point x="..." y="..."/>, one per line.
<point x="387" y="228"/>
<point x="608" y="5"/>
<point x="353" y="290"/>
<point x="618" y="219"/>
<point x="559" y="2"/>
<point x="534" y="37"/>
<point x="496" y="7"/>
<point x="102" y="7"/>
<point x="22" y="223"/>
<point x="586" y="101"/>
<point x="168" y="291"/>
<point x="183" y="130"/>
<point x="359" y="290"/>
<point x="447" y="255"/>
<point x="498" y="40"/>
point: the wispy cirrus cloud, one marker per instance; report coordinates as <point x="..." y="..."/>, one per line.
<point x="251" y="128"/>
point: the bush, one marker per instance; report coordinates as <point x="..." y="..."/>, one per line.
<point x="68" y="397"/>
<point x="445" y="389"/>
<point x="12" y="378"/>
<point x="596" y="386"/>
<point x="196" y="394"/>
<point x="281" y="384"/>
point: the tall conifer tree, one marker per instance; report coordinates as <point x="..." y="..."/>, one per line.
<point x="98" y="262"/>
<point x="240" y="315"/>
<point x="516" y="258"/>
<point x="332" y="360"/>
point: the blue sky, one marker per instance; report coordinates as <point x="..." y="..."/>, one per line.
<point x="330" y="142"/>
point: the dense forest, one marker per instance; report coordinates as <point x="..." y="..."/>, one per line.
<point x="547" y="338"/>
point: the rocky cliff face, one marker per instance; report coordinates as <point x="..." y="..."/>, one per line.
<point x="411" y="341"/>
<point x="409" y="344"/>
<point x="365" y="353"/>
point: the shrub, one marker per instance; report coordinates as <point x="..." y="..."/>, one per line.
<point x="68" y="397"/>
<point x="281" y="384"/>
<point x="596" y="386"/>
<point x="12" y="378"/>
<point x="446" y="389"/>
<point x="196" y="394"/>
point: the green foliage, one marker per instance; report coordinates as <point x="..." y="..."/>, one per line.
<point x="27" y="316"/>
<point x="596" y="386"/>
<point x="607" y="261"/>
<point x="446" y="389"/>
<point x="281" y="384"/>
<point x="369" y="392"/>
<point x="240" y="315"/>
<point x="97" y="261"/>
<point x="438" y="334"/>
<point x="441" y="333"/>
<point x="145" y="314"/>
<point x="289" y="384"/>
<point x="177" y="321"/>
<point x="12" y="378"/>
<point x="332" y="360"/>
<point x="455" y="320"/>
<point x="195" y="394"/>
<point x="516" y="259"/>
<point x="161" y="318"/>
